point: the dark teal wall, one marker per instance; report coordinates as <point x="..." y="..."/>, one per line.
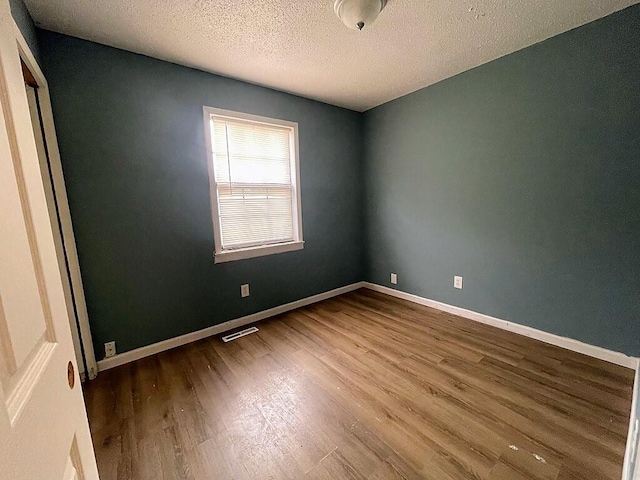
<point x="131" y="137"/>
<point x="522" y="175"/>
<point x="24" y="22"/>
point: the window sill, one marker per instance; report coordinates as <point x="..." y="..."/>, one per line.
<point x="240" y="254"/>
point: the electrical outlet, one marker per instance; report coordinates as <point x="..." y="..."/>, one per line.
<point x="109" y="349"/>
<point x="244" y="290"/>
<point x="457" y="282"/>
<point x="394" y="278"/>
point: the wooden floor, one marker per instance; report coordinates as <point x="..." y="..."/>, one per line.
<point x="363" y="386"/>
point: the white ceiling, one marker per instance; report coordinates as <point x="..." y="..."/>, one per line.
<point x="301" y="47"/>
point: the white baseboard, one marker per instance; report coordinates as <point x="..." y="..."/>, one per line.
<point x="564" y="342"/>
<point x="154" y="348"/>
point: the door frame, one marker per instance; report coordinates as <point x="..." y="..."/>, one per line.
<point x="60" y="193"/>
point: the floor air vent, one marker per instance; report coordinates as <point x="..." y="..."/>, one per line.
<point x="241" y="333"/>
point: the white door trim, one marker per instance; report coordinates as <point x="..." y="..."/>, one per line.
<point x="60" y="192"/>
<point x="43" y="419"/>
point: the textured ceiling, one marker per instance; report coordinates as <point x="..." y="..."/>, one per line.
<point x="300" y="46"/>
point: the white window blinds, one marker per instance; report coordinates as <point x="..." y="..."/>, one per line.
<point x="253" y="181"/>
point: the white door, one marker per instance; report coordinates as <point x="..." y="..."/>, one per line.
<point x="44" y="434"/>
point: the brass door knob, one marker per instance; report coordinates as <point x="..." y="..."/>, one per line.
<point x="71" y="375"/>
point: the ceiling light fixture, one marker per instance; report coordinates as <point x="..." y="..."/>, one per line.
<point x="356" y="14"/>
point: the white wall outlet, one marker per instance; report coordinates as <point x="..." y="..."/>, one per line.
<point x="109" y="349"/>
<point x="457" y="282"/>
<point x="244" y="290"/>
<point x="394" y="278"/>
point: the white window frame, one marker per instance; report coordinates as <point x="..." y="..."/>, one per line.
<point x="221" y="255"/>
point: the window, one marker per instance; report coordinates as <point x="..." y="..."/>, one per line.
<point x="255" y="184"/>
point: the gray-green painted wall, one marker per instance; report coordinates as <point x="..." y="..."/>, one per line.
<point x="131" y="136"/>
<point x="523" y="176"/>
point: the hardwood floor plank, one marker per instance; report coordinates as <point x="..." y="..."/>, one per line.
<point x="362" y="386"/>
<point x="529" y="464"/>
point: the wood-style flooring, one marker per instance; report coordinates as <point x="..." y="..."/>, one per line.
<point x="363" y="386"/>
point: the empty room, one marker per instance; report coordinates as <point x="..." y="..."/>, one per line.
<point x="319" y="239"/>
